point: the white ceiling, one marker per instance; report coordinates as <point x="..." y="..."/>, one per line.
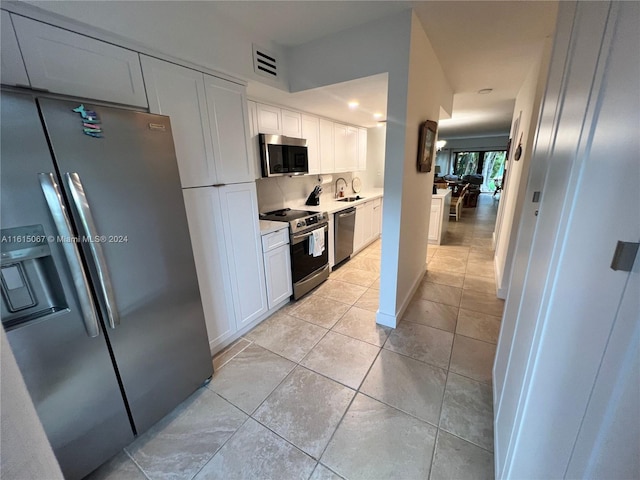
<point x="332" y="101"/>
<point x="480" y="44"/>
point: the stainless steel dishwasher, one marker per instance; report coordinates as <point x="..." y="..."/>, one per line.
<point x="345" y="223"/>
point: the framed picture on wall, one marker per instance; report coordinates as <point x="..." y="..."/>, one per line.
<point x="427" y="145"/>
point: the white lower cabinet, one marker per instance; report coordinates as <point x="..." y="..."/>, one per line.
<point x="225" y="236"/>
<point x="434" y="220"/>
<point x="367" y="228"/>
<point x="439" y="216"/>
<point x="239" y="204"/>
<point x="377" y="218"/>
<point x="277" y="266"/>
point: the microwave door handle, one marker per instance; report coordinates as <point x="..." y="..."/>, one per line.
<point x="95" y="247"/>
<point x="53" y="197"/>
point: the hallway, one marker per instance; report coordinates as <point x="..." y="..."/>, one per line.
<point x="319" y="391"/>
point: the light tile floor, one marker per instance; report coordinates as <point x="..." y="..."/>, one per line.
<point x="319" y="391"/>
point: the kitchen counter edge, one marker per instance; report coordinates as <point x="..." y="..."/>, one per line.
<point x="269" y="226"/>
<point x="332" y="206"/>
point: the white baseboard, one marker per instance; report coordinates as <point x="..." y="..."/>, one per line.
<point x="392" y="320"/>
<point x="501" y="291"/>
<point x="217" y="345"/>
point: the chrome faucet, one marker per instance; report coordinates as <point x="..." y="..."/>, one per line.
<point x="337" y="194"/>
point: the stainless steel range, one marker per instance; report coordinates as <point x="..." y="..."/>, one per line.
<point x="307" y="271"/>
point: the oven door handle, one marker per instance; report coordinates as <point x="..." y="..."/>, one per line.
<point x="298" y="238"/>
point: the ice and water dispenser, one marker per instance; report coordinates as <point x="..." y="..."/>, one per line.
<point x="31" y="286"/>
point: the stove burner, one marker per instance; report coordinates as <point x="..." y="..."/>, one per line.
<point x="279" y="213"/>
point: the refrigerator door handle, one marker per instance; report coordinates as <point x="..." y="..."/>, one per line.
<point x="53" y="196"/>
<point x="84" y="213"/>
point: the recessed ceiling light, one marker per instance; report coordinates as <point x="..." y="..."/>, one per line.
<point x="485" y="91"/>
<point x="377" y="115"/>
<point x="353" y="104"/>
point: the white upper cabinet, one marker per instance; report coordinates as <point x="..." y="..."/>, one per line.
<point x="333" y="147"/>
<point x="311" y="132"/>
<point x="351" y="155"/>
<point x="228" y="118"/>
<point x="254" y="143"/>
<point x="362" y="149"/>
<point x="340" y="147"/>
<point x="13" y="71"/>
<point x="291" y="124"/>
<point x="179" y="92"/>
<point x="327" y="149"/>
<point x="65" y="62"/>
<point x="269" y="119"/>
<point x="209" y="121"/>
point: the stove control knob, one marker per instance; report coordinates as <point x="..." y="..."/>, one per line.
<point x="300" y="224"/>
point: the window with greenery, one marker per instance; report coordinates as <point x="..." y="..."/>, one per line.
<point x="488" y="164"/>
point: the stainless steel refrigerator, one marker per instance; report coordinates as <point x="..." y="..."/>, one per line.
<point x="100" y="298"/>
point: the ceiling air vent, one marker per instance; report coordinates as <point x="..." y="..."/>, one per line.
<point x="265" y="63"/>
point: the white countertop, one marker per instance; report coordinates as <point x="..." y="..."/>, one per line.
<point x="442" y="193"/>
<point x="269" y="226"/>
<point x="330" y="205"/>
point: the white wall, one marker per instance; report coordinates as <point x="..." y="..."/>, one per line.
<point x="527" y="108"/>
<point x="280" y="192"/>
<point x="565" y="374"/>
<point x="417" y="89"/>
<point x="376" y="140"/>
<point x="427" y="90"/>
<point x="193" y="31"/>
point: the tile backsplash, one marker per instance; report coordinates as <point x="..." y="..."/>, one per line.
<point x="280" y="192"/>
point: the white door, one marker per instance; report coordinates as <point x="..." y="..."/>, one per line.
<point x="239" y="205"/>
<point x="269" y="119"/>
<point x="228" y="118"/>
<point x="179" y="92"/>
<point x="327" y="149"/>
<point x="291" y="124"/>
<point x="65" y="62"/>
<point x="209" y="252"/>
<point x="13" y="71"/>
<point x="311" y="132"/>
<point x="566" y="311"/>
<point x="277" y="266"/>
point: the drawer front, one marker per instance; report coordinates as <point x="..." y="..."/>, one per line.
<point x="376" y="202"/>
<point x="275" y="239"/>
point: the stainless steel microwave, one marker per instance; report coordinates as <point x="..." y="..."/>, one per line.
<point x="283" y="155"/>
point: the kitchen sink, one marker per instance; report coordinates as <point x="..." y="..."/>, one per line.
<point x="351" y="199"/>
